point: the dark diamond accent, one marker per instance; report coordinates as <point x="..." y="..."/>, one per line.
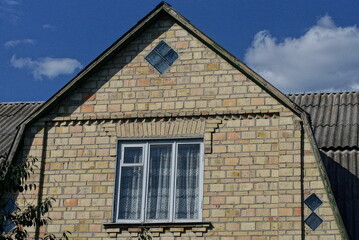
<point x="313" y="221"/>
<point x="162" y="57"/>
<point x="313" y="202"/>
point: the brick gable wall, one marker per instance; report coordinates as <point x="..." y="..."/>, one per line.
<point x="259" y="165"/>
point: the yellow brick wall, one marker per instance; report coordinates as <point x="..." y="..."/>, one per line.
<point x="253" y="145"/>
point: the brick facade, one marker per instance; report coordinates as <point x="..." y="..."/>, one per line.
<point x="259" y="162"/>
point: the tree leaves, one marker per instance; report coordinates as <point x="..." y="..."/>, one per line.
<point x="13" y="179"/>
<point x="16" y="176"/>
<point x="144" y="234"/>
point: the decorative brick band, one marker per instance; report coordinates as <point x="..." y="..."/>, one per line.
<point x="61" y="121"/>
<point x="157" y="229"/>
<point x="255" y="113"/>
<point x="169" y="128"/>
<point x="179" y="126"/>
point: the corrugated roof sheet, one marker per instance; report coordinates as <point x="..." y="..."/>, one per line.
<point x="335" y="117"/>
<point x="11" y="115"/>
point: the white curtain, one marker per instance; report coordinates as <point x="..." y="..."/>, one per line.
<point x="159" y="182"/>
<point x="187" y="181"/>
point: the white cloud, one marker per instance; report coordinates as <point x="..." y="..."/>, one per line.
<point x="13" y="43"/>
<point x="11" y="2"/>
<point x="46" y="67"/>
<point x="325" y="58"/>
<point x="8" y="10"/>
<point x="48" y="27"/>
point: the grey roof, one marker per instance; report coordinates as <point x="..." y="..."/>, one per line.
<point x="11" y="115"/>
<point x="335" y="118"/>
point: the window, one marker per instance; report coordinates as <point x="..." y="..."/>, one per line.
<point x="159" y="181"/>
<point x="162" y="57"/>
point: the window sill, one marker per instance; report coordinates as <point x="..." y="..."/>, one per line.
<point x="157" y="229"/>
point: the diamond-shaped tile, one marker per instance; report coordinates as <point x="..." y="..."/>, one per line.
<point x="313" y="202"/>
<point x="313" y="221"/>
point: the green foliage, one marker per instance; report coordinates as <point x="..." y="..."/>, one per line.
<point x="14" y="179"/>
<point x="16" y="176"/>
<point x="144" y="234"/>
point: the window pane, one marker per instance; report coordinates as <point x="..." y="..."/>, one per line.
<point x="130" y="193"/>
<point x="187" y="181"/>
<point x="133" y="155"/>
<point x="159" y="182"/>
<point x="171" y="56"/>
<point x="162" y="48"/>
<point x="154" y="58"/>
<point x="162" y="66"/>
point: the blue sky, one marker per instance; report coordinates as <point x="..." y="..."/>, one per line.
<point x="299" y="46"/>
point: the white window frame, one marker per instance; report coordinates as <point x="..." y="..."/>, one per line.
<point x="145" y="144"/>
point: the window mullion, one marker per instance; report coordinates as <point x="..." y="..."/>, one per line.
<point x="173" y="181"/>
<point x="145" y="182"/>
<point x="201" y="181"/>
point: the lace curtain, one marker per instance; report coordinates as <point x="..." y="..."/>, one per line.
<point x="187" y="181"/>
<point x="159" y="174"/>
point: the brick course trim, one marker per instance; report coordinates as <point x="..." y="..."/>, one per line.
<point x="247" y="114"/>
<point x="158" y="229"/>
<point x="218" y="115"/>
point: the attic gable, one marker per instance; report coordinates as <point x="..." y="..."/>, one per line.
<point x="200" y="82"/>
<point x="161" y="10"/>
